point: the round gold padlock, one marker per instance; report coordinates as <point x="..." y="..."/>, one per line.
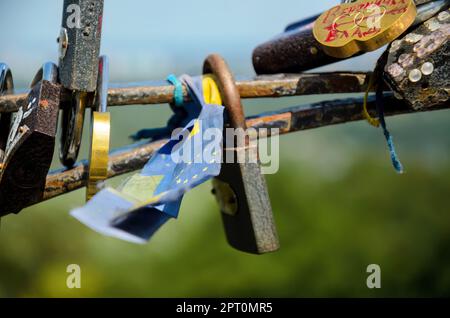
<point x="100" y="134"/>
<point x="362" y="26"/>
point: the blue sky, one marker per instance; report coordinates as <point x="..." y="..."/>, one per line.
<point x="149" y="39"/>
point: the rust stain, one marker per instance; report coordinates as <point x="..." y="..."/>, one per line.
<point x="267" y="120"/>
<point x="43" y="103"/>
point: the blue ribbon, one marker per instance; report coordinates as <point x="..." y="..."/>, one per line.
<point x="178" y="91"/>
<point x="380" y="109"/>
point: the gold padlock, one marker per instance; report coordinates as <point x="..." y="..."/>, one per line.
<point x="363" y="26"/>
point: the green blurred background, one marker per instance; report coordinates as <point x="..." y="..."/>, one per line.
<point x="338" y="204"/>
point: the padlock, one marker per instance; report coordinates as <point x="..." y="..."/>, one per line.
<point x="362" y="26"/>
<point x="79" y="47"/>
<point x="418" y="64"/>
<point x="30" y="144"/>
<point x="79" y="44"/>
<point x="6" y="87"/>
<point x="241" y="189"/>
<point x="297" y="50"/>
<point x="100" y="133"/>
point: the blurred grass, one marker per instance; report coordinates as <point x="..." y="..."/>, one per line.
<point x="338" y="204"/>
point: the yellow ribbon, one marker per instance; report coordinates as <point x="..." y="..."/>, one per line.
<point x="371" y="120"/>
<point x="211" y="92"/>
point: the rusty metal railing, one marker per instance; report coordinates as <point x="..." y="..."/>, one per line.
<point x="134" y="157"/>
<point x="280" y="85"/>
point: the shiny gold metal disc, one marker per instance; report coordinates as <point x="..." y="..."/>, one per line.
<point x="363" y="26"/>
<point x="99" y="152"/>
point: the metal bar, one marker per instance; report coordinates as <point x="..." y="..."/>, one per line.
<point x="279" y="85"/>
<point x="121" y="161"/>
<point x="290" y="120"/>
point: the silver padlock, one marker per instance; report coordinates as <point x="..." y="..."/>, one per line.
<point x="79" y="47"/>
<point x="79" y="44"/>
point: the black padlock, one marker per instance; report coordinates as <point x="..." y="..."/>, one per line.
<point x="30" y="144"/>
<point x="241" y="189"/>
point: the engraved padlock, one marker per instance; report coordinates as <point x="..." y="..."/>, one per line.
<point x="30" y="144"/>
<point x="241" y="189"/>
<point x="362" y="26"/>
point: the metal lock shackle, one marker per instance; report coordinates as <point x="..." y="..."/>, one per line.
<point x="101" y="93"/>
<point x="241" y="189"/>
<point x="216" y="65"/>
<point x="48" y="72"/>
<point x="100" y="132"/>
<point x="6" y="87"/>
<point x="72" y="127"/>
<point x="6" y="80"/>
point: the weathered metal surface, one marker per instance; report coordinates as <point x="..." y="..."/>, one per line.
<point x="291" y="52"/>
<point x="251" y="228"/>
<point x="283" y="85"/>
<point x="121" y="161"/>
<point x="324" y="114"/>
<point x="279" y="85"/>
<point x="134" y="157"/>
<point x="420" y="2"/>
<point x="79" y="43"/>
<point x="296" y="50"/>
<point x="419" y="64"/>
<point x="78" y="63"/>
<point x="30" y="146"/>
<point x="10" y="103"/>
